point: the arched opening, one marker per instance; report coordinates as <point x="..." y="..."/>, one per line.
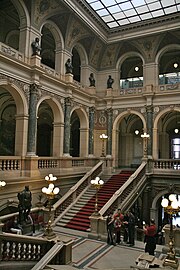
<point x="75" y="135"/>
<point x="130" y="141"/>
<point x="131" y="73"/>
<point x="169" y="67"/>
<point x="9" y="24"/>
<point x="169" y="135"/>
<point x="48" y="48"/>
<point x="76" y="62"/>
<point x="7" y="123"/>
<point x="44" y="130"/>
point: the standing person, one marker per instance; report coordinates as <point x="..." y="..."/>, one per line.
<point x="118" y="221"/>
<point x="150" y="236"/>
<point x="126" y="235"/>
<point x="110" y="229"/>
<point x="131" y="228"/>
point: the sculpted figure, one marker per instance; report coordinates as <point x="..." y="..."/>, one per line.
<point x="25" y="199"/>
<point x="36" y="47"/>
<point x="92" y="80"/>
<point x="68" y="66"/>
<point x="110" y="81"/>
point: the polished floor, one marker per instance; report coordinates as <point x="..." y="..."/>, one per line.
<point x="91" y="254"/>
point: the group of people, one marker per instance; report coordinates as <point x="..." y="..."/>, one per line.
<point x="122" y="226"/>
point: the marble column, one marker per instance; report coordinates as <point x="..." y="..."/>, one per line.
<point x="91" y="130"/>
<point x="149" y="112"/>
<point x="32" y="123"/>
<point x="109" y="131"/>
<point x="67" y="126"/>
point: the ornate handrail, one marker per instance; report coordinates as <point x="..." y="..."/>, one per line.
<point x="63" y="203"/>
<point x="125" y="196"/>
<point x="22" y="248"/>
<point x="172" y="164"/>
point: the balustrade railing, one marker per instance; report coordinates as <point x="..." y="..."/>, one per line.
<point x="76" y="190"/>
<point x="126" y="195"/>
<point x="22" y="248"/>
<point x="170" y="164"/>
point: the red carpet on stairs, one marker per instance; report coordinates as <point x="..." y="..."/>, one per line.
<point x="81" y="220"/>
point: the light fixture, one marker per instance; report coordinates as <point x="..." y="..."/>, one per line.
<point x="2" y="184"/>
<point x="175" y="65"/>
<point x="171" y="206"/>
<point x="51" y="191"/>
<point x="145" y="136"/>
<point x="103" y="137"/>
<point x="136" y="131"/>
<point x="96" y="183"/>
<point x="136" y="69"/>
<point x="176" y="130"/>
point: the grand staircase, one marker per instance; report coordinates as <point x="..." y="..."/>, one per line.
<point x="77" y="217"/>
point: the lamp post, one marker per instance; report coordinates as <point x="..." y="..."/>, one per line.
<point x="51" y="191"/>
<point x="145" y="138"/>
<point x="171" y="206"/>
<point x="97" y="183"/>
<point x="103" y="137"/>
<point x="2" y="185"/>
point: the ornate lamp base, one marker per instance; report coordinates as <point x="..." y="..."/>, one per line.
<point x="171" y="261"/>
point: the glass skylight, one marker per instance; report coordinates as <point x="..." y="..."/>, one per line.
<point x="122" y="12"/>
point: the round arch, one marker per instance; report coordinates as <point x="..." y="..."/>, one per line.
<point x="23" y="13"/>
<point x="56" y="143"/>
<point x="166" y="49"/>
<point x="83" y="130"/>
<point x="18" y="96"/>
<point x="21" y="117"/>
<point x="128" y="55"/>
<point x="160" y="114"/>
<point x="53" y="28"/>
<point x="115" y="133"/>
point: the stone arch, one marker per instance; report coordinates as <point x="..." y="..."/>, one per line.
<point x="84" y="130"/>
<point x="154" y="206"/>
<point x="53" y="28"/>
<point x="115" y="132"/>
<point x="82" y="53"/>
<point x="164" y="50"/>
<point x="58" y="124"/>
<point x="155" y="128"/>
<point x="160" y="114"/>
<point x="17" y="94"/>
<point x="122" y="59"/>
<point x="21" y="126"/>
<point x="23" y="13"/>
<point x="128" y="55"/>
<point x="58" y="56"/>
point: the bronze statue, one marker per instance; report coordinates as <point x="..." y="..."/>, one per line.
<point x="25" y="199"/>
<point x="110" y="81"/>
<point x="36" y="47"/>
<point x="68" y="66"/>
<point x="92" y="80"/>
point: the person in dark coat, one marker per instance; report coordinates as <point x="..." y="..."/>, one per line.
<point x="131" y="228"/>
<point x="110" y="229"/>
<point x="150" y="237"/>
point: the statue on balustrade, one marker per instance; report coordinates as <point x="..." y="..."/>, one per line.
<point x="92" y="80"/>
<point x="110" y="81"/>
<point x="25" y="203"/>
<point x="69" y="67"/>
<point x="36" y="47"/>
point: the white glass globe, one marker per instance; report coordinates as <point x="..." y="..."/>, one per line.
<point x="44" y="189"/>
<point x="51" y="186"/>
<point x="56" y="190"/>
<point x="164" y="202"/>
<point x="172" y="197"/>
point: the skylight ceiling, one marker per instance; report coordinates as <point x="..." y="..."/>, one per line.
<point x="123" y="12"/>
